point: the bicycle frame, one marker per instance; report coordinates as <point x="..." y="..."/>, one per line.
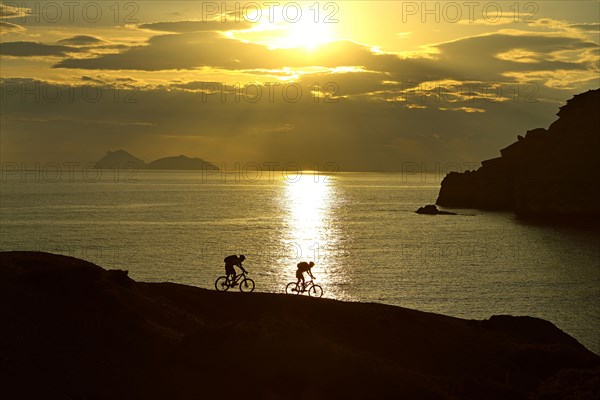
<point x="307" y="285"/>
<point x="238" y="277"/>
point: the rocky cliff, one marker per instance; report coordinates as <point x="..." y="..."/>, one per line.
<point x="550" y="173"/>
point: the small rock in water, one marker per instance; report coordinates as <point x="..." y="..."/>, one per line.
<point x="431" y="209"/>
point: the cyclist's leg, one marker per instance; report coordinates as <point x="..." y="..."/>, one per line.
<point x="300" y="277"/>
<point x="228" y="271"/>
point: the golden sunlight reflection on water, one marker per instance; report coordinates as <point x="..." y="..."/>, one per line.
<point x="311" y="232"/>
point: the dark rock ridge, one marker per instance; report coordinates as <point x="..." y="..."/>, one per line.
<point x="72" y="330"/>
<point x="431" y="209"/>
<point x="549" y="173"/>
<point x="121" y="159"/>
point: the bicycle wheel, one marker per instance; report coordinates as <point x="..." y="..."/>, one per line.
<point x="315" y="291"/>
<point x="289" y="287"/>
<point x="246" y="285"/>
<point x="221" y="284"/>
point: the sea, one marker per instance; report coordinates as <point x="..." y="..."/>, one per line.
<point x="360" y="229"/>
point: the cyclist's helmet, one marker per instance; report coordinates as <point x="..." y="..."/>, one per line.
<point x="311" y="264"/>
<point x="242" y="257"/>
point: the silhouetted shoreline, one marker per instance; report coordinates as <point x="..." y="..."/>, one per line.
<point x="75" y="330"/>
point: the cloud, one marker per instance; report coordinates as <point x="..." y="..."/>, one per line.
<point x="8" y="27"/>
<point x="211" y="49"/>
<point x="82" y="40"/>
<point x="10" y="11"/>
<point x="514" y="18"/>
<point x="108" y="81"/>
<point x="483" y="59"/>
<point x="168" y="52"/>
<point x="35" y="49"/>
<point x="593" y="27"/>
<point x="345" y="84"/>
<point x="564" y="26"/>
<point x="479" y="58"/>
<point x="196" y="26"/>
<point x="561" y="79"/>
<point x="463" y="109"/>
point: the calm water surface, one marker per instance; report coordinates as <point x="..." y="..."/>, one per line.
<point x="359" y="228"/>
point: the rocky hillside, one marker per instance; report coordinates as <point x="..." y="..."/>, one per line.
<point x="550" y="173"/>
<point x="72" y="330"/>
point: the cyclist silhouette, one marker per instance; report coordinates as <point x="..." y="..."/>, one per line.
<point x="302" y="268"/>
<point x="230" y="262"/>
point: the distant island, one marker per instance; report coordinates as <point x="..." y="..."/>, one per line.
<point x="122" y="159"/>
<point x="550" y="174"/>
<point x="73" y="330"/>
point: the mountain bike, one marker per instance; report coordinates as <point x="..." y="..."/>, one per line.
<point x="310" y="287"/>
<point x="224" y="283"/>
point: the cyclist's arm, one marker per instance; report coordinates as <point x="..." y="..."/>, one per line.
<point x="239" y="264"/>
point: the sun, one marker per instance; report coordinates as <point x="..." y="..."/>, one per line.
<point x="306" y="34"/>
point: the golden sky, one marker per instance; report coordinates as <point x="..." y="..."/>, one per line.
<point x="365" y="85"/>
